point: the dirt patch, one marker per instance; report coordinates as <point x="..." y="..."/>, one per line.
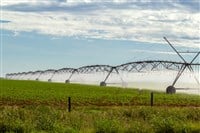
<point x="64" y="104"/>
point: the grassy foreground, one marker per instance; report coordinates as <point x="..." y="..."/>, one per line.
<point x="30" y="106"/>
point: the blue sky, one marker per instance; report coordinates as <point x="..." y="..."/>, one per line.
<point x="41" y="34"/>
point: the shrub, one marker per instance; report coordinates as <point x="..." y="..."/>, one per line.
<point x="106" y="126"/>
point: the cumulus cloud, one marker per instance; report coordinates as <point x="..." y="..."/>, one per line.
<point x="137" y="20"/>
<point x="30" y="2"/>
<point x="159" y="52"/>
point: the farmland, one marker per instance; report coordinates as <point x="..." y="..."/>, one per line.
<point x="30" y="106"/>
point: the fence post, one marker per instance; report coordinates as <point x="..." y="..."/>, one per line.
<point x="151" y="99"/>
<point x="69" y="104"/>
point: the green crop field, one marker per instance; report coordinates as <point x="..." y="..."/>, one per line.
<point x="32" y="106"/>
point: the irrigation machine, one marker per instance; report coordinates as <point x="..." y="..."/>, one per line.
<point x="138" y="66"/>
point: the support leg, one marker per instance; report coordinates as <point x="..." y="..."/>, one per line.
<point x="103" y="83"/>
<point x="68" y="80"/>
<point x="179" y="74"/>
<point x="171" y="89"/>
<point x="191" y="70"/>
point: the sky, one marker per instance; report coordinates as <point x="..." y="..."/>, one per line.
<point x="52" y="34"/>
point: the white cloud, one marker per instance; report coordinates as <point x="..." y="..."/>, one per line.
<point x="12" y="2"/>
<point x="76" y="2"/>
<point x="132" y="23"/>
<point x="157" y="52"/>
<point x="32" y="2"/>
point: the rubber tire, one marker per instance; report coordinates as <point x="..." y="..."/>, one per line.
<point x="67" y="81"/>
<point x="170" y="90"/>
<point x="103" y="83"/>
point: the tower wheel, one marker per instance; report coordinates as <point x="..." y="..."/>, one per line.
<point x="103" y="83"/>
<point x="170" y="90"/>
<point x="67" y="81"/>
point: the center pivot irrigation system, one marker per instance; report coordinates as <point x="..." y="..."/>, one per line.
<point x="172" y="89"/>
<point x="134" y="67"/>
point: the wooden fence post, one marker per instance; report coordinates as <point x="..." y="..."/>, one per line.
<point x="151" y="99"/>
<point x="69" y="104"/>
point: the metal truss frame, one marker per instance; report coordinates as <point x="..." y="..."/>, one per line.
<point x="185" y="64"/>
<point x="134" y="67"/>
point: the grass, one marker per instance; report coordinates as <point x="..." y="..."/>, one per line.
<point x="43" y="92"/>
<point x="102" y="120"/>
<point x="30" y="106"/>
